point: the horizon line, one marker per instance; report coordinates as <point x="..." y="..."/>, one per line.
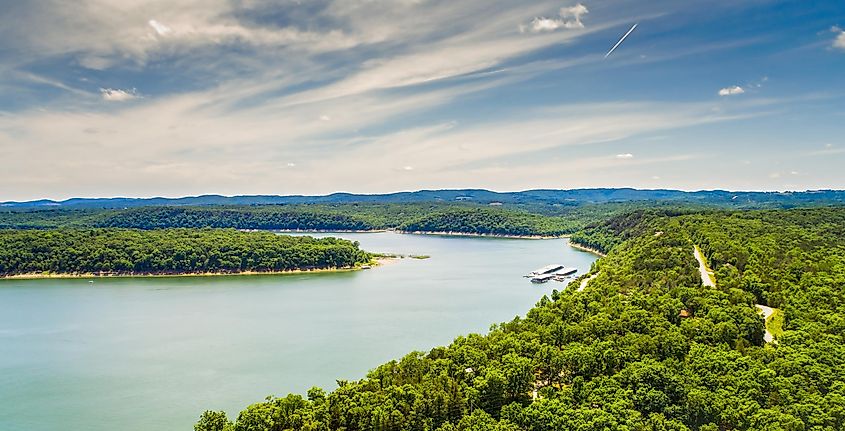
<point x="177" y="197"/>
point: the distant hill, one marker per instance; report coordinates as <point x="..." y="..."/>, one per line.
<point x="528" y="197"/>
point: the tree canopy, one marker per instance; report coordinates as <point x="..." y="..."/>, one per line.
<point x="168" y="251"/>
<point x="643" y="347"/>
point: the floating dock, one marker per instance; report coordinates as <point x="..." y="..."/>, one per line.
<point x="551" y="272"/>
<point x="565" y="271"/>
<point x="564" y="274"/>
<point x="548" y="269"/>
<point x="542" y="278"/>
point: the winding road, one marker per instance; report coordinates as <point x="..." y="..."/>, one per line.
<point x="767" y="313"/>
<point x="707" y="278"/>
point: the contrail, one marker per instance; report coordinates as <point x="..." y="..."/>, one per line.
<point x="621" y="40"/>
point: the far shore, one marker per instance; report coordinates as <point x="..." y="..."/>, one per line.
<point x="484" y="235"/>
<point x="585" y="248"/>
<point x="408" y="232"/>
<point x="318" y="230"/>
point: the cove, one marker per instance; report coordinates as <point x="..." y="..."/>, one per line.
<point x="152" y="353"/>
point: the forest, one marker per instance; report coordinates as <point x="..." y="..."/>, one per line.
<point x="168" y="251"/>
<point x="426" y="217"/>
<point x="644" y="346"/>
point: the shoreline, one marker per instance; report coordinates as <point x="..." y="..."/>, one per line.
<point x="317" y="230"/>
<point x="376" y="262"/>
<point x="577" y="246"/>
<point x="408" y="232"/>
<point x="480" y="235"/>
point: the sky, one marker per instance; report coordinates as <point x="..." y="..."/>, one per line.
<point x="103" y="98"/>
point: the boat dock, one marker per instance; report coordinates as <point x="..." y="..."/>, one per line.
<point x="542" y="278"/>
<point x="548" y="269"/>
<point x="555" y="272"/>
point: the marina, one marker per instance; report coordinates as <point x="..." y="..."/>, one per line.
<point x="556" y="272"/>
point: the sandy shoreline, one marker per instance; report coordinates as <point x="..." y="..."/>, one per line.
<point x="482" y="235"/>
<point x="408" y="232"/>
<point x="377" y="261"/>
<point x="585" y="248"/>
<point x="316" y="230"/>
<point x="188" y="274"/>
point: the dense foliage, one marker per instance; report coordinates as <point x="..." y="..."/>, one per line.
<point x="438" y="217"/>
<point x="169" y="251"/>
<point x="272" y="217"/>
<point x="48" y="219"/>
<point x="490" y="221"/>
<point x="643" y="347"/>
<point x="604" y="235"/>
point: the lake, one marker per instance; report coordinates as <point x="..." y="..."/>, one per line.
<point x="141" y="354"/>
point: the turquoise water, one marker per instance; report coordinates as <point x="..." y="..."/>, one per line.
<point x="152" y="354"/>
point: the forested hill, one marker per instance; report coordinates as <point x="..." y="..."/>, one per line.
<point x="168" y="251"/>
<point x="644" y="346"/>
<point x="541" y="197"/>
<point x="462" y="218"/>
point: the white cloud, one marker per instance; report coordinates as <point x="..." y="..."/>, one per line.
<point x="731" y="91"/>
<point x="118" y="95"/>
<point x="160" y="28"/>
<point x="569" y="18"/>
<point x="574" y="12"/>
<point x="625" y="156"/>
<point x="286" y="102"/>
<point x="839" y="41"/>
<point x="541" y="24"/>
<point x="166" y="145"/>
<point x="101" y="34"/>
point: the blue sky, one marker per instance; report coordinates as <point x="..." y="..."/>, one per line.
<point x="171" y="98"/>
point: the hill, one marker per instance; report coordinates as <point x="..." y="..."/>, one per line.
<point x="644" y="346"/>
<point x="528" y="197"/>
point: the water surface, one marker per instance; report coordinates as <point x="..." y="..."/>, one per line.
<point x="142" y="354"/>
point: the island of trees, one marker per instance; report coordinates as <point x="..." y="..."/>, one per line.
<point x="643" y="346"/>
<point x="111" y="251"/>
